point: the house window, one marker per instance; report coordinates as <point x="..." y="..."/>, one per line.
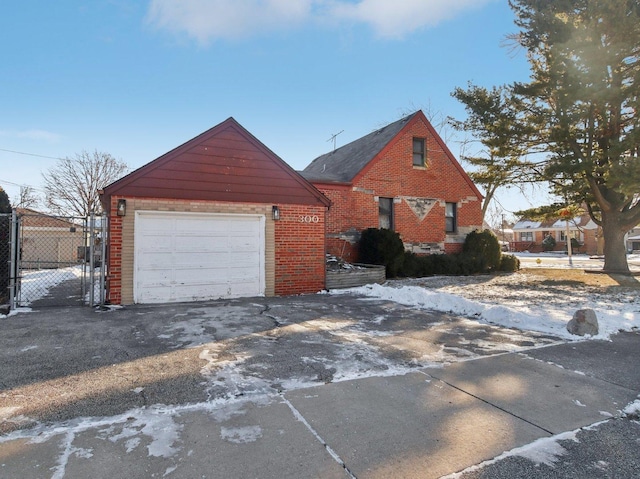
<point x="385" y="213"/>
<point x="526" y="236"/>
<point x="418" y="152"/>
<point x="572" y="234"/>
<point x="450" y="218"/>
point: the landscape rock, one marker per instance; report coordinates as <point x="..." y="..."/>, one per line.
<point x="584" y="322"/>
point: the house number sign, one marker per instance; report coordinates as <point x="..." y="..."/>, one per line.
<point x="309" y="219"/>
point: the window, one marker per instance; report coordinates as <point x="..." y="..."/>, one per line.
<point x="418" y="152"/>
<point x="385" y="212"/>
<point x="572" y="234"/>
<point x="526" y="236"/>
<point x="450" y="218"/>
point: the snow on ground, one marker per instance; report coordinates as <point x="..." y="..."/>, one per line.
<point x="36" y="285"/>
<point x="514" y="300"/>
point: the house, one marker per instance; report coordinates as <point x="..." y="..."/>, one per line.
<point x="49" y="242"/>
<point x="633" y="240"/>
<point x="220" y="216"/>
<point x="528" y="235"/>
<point x="402" y="177"/>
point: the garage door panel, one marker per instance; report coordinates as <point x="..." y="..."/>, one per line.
<point x="191" y="257"/>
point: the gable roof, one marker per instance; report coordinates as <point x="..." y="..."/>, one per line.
<point x="583" y="221"/>
<point x="346" y="163"/>
<point x="343" y="164"/>
<point x="225" y="163"/>
<point x="35" y="219"/>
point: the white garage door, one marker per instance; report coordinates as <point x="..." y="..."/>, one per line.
<point x="194" y="257"/>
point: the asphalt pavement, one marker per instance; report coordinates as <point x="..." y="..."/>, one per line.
<point x="311" y="386"/>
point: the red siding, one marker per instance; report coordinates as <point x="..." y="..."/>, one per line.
<point x="226" y="163"/>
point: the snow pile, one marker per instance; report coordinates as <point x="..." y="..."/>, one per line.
<point x="530" y="310"/>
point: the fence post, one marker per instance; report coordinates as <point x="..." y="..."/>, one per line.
<point x="13" y="266"/>
<point x="92" y="227"/>
<point x="103" y="257"/>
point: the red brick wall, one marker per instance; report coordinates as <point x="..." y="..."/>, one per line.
<point x="300" y="248"/>
<point x="114" y="255"/>
<point x="392" y="175"/>
<point x="298" y="243"/>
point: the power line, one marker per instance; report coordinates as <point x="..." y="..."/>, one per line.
<point x="21" y="186"/>
<point x="32" y="154"/>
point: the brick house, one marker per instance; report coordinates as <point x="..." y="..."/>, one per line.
<point x="528" y="235"/>
<point x="220" y="216"/>
<point x="402" y="177"/>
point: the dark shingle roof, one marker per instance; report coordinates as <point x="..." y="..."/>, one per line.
<point x="343" y="164"/>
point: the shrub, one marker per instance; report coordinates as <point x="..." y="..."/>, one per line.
<point x="509" y="263"/>
<point x="548" y="243"/>
<point x="382" y="246"/>
<point x="483" y="246"/>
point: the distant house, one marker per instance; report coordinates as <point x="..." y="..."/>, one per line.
<point x="48" y="241"/>
<point x="528" y="235"/>
<point x="633" y="240"/>
<point x="402" y="177"/>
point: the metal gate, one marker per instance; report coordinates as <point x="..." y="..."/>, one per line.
<point x="56" y="260"/>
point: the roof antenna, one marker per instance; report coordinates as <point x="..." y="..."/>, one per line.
<point x="333" y="138"/>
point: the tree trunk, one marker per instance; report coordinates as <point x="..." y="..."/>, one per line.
<point x="615" y="252"/>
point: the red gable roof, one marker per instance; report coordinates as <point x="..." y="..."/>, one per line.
<point x="225" y="163"/>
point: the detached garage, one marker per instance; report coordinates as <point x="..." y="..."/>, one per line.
<point x="220" y="216"/>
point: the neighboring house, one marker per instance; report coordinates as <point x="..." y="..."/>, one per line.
<point x="528" y="235"/>
<point x="48" y="241"/>
<point x="633" y="240"/>
<point x="220" y="216"/>
<point x="402" y="177"/>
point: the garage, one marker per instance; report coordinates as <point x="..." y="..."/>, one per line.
<point x="220" y="216"/>
<point x="183" y="257"/>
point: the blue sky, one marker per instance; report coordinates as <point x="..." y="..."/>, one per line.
<point x="138" y="78"/>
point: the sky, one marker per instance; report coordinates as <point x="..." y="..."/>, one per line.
<point x="138" y="78"/>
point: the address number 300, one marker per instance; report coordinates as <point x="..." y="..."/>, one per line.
<point x="309" y="219"/>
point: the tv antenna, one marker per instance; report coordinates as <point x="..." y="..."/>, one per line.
<point x="333" y="138"/>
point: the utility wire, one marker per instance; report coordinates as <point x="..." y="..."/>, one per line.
<point x="32" y="154"/>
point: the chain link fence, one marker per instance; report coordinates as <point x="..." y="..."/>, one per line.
<point x="5" y="256"/>
<point x="58" y="260"/>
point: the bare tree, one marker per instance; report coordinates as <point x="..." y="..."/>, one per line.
<point x="71" y="186"/>
<point x="27" y="198"/>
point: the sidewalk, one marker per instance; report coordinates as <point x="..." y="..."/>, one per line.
<point x="428" y="423"/>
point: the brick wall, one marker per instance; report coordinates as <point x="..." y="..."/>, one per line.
<point x="286" y="241"/>
<point x="392" y="175"/>
<point x="300" y="249"/>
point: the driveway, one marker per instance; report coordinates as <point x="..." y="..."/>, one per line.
<point x="305" y="386"/>
<point x="57" y="364"/>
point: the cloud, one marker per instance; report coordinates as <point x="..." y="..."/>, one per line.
<point x="396" y="19"/>
<point x="38" y="135"/>
<point x="207" y="20"/>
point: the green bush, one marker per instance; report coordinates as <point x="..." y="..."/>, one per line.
<point x="509" y="263"/>
<point x="382" y="246"/>
<point x="483" y="246"/>
<point x="548" y="243"/>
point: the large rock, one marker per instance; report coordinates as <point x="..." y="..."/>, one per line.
<point x="584" y="322"/>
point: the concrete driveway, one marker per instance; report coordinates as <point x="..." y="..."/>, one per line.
<point x="306" y="386"/>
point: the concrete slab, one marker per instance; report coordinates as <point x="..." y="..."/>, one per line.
<point x="408" y="426"/>
<point x="606" y="360"/>
<point x="30" y="459"/>
<point x="243" y="439"/>
<point x="548" y="396"/>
